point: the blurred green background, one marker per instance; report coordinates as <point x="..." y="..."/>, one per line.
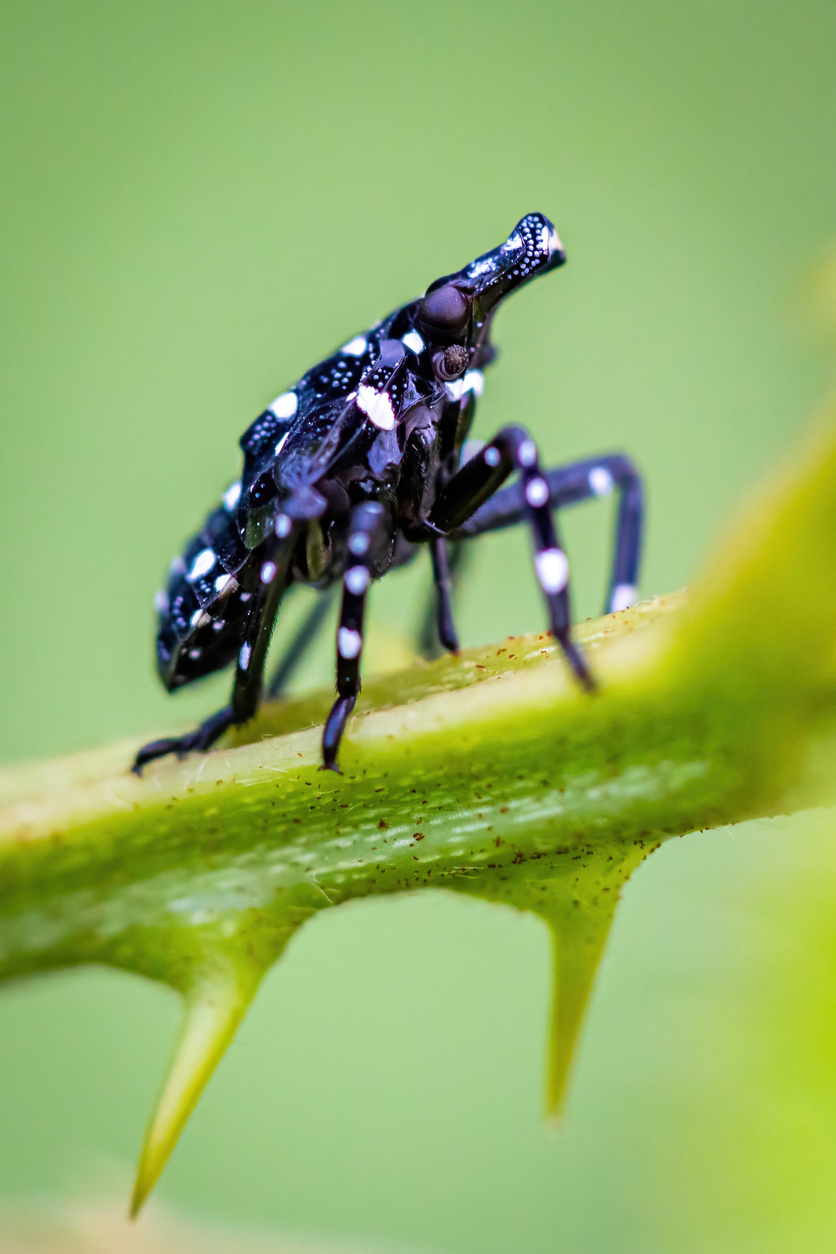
<point x="200" y="200"/>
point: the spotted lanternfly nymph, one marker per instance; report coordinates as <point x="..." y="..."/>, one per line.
<point x="357" y="465"/>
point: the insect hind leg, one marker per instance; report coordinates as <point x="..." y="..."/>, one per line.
<point x="570" y="485"/>
<point x="201" y="739"/>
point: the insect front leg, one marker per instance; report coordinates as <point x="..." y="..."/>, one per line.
<point x="513" y="449"/>
<point x="367" y="521"/>
<point x="569" y="485"/>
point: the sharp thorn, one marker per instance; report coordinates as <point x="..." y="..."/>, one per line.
<point x="213" y="1010"/>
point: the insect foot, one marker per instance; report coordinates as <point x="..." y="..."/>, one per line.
<point x="201" y="739"/>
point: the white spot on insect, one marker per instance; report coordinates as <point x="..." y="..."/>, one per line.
<point x="624" y="595"/>
<point x="470" y="449"/>
<point x="359" y="543"/>
<point x="195" y="653"/>
<point x="244" y="656"/>
<point x="218" y="624"/>
<point x="492" y="456"/>
<point x="161" y="602"/>
<point x="527" y="453"/>
<point x="537" y="492"/>
<point x="512" y="243"/>
<point x="232" y="496"/>
<point x="474" y="381"/>
<point x="281" y="444"/>
<point x="355" y="347"/>
<point x="268" y="572"/>
<point x="245" y="596"/>
<point x="376" y="406"/>
<point x="552" y="569"/>
<point x="357" y="580"/>
<point x="202" y="564"/>
<point x="551" y="240"/>
<point x="601" y="481"/>
<point x="199" y="619"/>
<point x="222" y="583"/>
<point x="285" y="406"/>
<point x="413" y="340"/>
<point x="349" y="642"/>
<point x="486" y="266"/>
<point x="282" y="526"/>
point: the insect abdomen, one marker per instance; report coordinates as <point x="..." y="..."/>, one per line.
<point x="203" y="609"/>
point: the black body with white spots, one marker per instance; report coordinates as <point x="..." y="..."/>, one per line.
<point x="357" y="465"/>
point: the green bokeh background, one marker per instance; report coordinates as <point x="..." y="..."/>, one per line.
<point x="201" y="199"/>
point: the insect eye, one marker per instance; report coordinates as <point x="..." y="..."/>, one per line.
<point x="445" y="310"/>
<point x="450" y="362"/>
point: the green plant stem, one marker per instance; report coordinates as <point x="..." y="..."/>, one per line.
<point x="489" y="775"/>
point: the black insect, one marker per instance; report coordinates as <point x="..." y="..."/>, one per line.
<point x="359" y="463"/>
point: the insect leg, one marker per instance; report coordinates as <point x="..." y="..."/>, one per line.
<point x="202" y="738"/>
<point x="366" y="521"/>
<point x="442" y="578"/>
<point x="272" y="583"/>
<point x="569" y="485"/>
<point x="249" y="668"/>
<point x="437" y="622"/>
<point x="298" y="646"/>
<point x="512" y="448"/>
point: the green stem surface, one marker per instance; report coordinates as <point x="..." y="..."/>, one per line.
<point x="489" y="775"/>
